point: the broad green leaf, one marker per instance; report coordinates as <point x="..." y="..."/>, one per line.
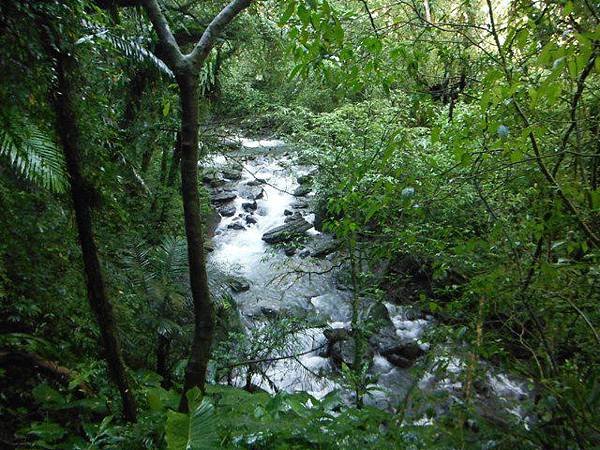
<point x="285" y="17"/>
<point x="196" y="431"/>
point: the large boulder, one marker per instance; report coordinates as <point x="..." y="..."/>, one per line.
<point x="341" y="347"/>
<point x="220" y="198"/>
<point x="213" y="179"/>
<point x="287" y="231"/>
<point x="323" y="247"/>
<point x="237" y="283"/>
<point x="227" y="210"/>
<point x="405" y="355"/>
<point x="299" y="203"/>
<point x="212" y="222"/>
<point x="249" y="206"/>
<point x="251" y="192"/>
<point x="291" y="218"/>
<point x="232" y="173"/>
<point x="305" y="179"/>
<point x="302" y="190"/>
<point x="256" y="182"/>
<point x="236" y="226"/>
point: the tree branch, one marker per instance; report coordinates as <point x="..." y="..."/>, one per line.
<point x="213" y="30"/>
<point x="172" y="52"/>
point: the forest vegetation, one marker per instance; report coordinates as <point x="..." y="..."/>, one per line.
<point x="300" y="224"/>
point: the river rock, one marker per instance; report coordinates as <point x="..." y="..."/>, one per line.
<point x="286" y="232"/>
<point x="299" y="204"/>
<point x="403" y="356"/>
<point x="302" y="190"/>
<point x="237" y="284"/>
<point x="256" y="182"/>
<point x="213" y="180"/>
<point x="250" y="219"/>
<point x="236" y="226"/>
<point x="290" y="251"/>
<point x="294" y="216"/>
<point x="287" y="212"/>
<point x="250" y="206"/>
<point x="305" y="253"/>
<point x="323" y="247"/>
<point x="227" y="211"/>
<point x="305" y="179"/>
<point x="379" y="314"/>
<point x="252" y="192"/>
<point x="231" y="143"/>
<point x="341" y="347"/>
<point x="232" y="173"/>
<point x="223" y="197"/>
<point x="212" y="221"/>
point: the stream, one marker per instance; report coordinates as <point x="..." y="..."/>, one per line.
<point x="255" y="187"/>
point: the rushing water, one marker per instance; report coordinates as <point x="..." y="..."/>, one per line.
<point x="277" y="288"/>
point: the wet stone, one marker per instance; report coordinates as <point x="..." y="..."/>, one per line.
<point x="232" y="174"/>
<point x="223" y="197"/>
<point x="256" y="182"/>
<point x="250" y="206"/>
<point x="295" y="216"/>
<point x="299" y="204"/>
<point x="302" y="190"/>
<point x="227" y="211"/>
<point x="237" y="284"/>
<point x="286" y="232"/>
<point x="236" y="226"/>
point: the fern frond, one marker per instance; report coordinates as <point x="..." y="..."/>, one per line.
<point x="127" y="46"/>
<point x="33" y="154"/>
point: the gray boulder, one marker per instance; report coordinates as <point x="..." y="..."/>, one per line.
<point x="299" y="204"/>
<point x="256" y="182"/>
<point x="305" y="179"/>
<point x="286" y="232"/>
<point x="250" y="206"/>
<point x="302" y="190"/>
<point x="323" y="247"/>
<point x="237" y="284"/>
<point x="223" y="197"/>
<point x="227" y="211"/>
<point x="232" y="173"/>
<point x="294" y="216"/>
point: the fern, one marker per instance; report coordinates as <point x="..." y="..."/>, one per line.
<point x="32" y="153"/>
<point x="130" y="48"/>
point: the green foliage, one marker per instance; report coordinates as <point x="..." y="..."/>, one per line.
<point x="31" y="152"/>
<point x="193" y="431"/>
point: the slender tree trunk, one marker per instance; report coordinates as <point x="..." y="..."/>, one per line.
<point x="195" y="374"/>
<point x="163" y="347"/>
<point x="68" y="131"/>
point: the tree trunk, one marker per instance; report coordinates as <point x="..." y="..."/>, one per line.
<point x="195" y="373"/>
<point x="163" y="346"/>
<point x="68" y="132"/>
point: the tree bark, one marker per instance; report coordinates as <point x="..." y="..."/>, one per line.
<point x="69" y="134"/>
<point x="195" y="373"/>
<point x="163" y="347"/>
